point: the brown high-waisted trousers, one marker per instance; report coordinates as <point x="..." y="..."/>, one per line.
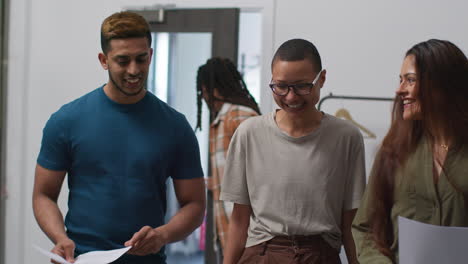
<point x="291" y="249"/>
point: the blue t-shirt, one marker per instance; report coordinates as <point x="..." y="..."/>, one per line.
<point x="118" y="158"/>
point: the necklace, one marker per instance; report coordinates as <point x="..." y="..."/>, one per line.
<point x="446" y="147"/>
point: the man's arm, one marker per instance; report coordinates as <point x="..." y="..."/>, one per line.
<point x="47" y="185"/>
<point x="348" y="241"/>
<point x="237" y="233"/>
<point x="191" y="196"/>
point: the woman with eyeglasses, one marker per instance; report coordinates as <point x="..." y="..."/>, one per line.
<point x="295" y="175"/>
<point x="421" y="170"/>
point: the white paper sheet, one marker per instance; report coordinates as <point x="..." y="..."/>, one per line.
<point x="421" y="243"/>
<point x="93" y="257"/>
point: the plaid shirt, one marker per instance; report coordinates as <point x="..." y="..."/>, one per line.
<point x="221" y="131"/>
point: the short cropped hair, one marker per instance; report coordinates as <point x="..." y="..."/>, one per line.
<point x="123" y="25"/>
<point x="297" y="50"/>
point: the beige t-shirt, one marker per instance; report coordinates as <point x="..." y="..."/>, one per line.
<point x="295" y="186"/>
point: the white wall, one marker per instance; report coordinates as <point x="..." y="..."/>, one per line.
<point x="53" y="59"/>
<point x="362" y="44"/>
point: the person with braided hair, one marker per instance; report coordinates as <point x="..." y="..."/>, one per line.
<point x="222" y="87"/>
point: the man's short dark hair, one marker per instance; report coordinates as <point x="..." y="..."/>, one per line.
<point x="122" y="25"/>
<point x="297" y="50"/>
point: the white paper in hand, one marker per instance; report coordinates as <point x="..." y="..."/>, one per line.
<point x="51" y="255"/>
<point x="421" y="243"/>
<point x="93" y="257"/>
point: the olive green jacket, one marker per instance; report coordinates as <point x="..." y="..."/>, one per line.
<point x="417" y="197"/>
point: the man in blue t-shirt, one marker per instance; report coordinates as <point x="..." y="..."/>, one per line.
<point x="119" y="144"/>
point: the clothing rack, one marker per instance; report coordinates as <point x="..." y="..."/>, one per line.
<point x="332" y="96"/>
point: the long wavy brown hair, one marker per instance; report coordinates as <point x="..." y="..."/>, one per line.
<point x="442" y="76"/>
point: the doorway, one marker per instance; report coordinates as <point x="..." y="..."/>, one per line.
<point x="172" y="79"/>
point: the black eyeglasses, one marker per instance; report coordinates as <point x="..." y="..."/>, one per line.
<point x="282" y="89"/>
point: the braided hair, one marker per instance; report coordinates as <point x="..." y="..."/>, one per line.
<point x="221" y="74"/>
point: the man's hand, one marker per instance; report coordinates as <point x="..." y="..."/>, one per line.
<point x="66" y="249"/>
<point x="147" y="241"/>
<point x="191" y="196"/>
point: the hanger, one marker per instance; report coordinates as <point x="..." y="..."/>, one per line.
<point x="343" y="113"/>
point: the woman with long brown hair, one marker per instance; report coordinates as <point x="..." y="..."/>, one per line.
<point x="421" y="169"/>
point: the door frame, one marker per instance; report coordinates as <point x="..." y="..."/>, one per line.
<point x="3" y="75"/>
<point x="269" y="41"/>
